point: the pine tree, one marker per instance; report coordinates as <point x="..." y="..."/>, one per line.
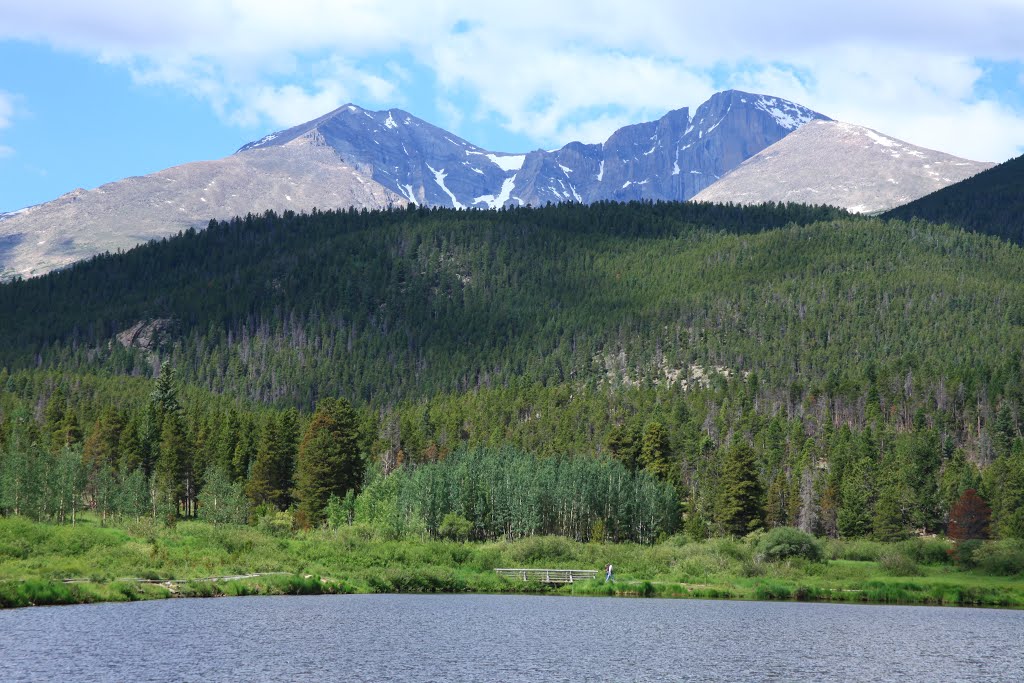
<point x="853" y="518"/>
<point x="740" y="505"/>
<point x="270" y="475"/>
<point x="171" y="476"/>
<point x="655" y="451"/>
<point x="329" y="462"/>
<point x="165" y="391"/>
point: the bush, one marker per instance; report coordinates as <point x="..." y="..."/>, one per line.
<point x="1000" y="558"/>
<point x="896" y="563"/>
<point x="765" y="590"/>
<point x="857" y="550"/>
<point x="455" y="527"/>
<point x="786" y="542"/>
<point x="535" y="548"/>
<point x="963" y="553"/>
<point x="277" y="523"/>
<point x="926" y="550"/>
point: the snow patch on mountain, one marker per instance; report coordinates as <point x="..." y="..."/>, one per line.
<point x="439" y="177"/>
<point x="880" y="139"/>
<point x="497" y="202"/>
<point x="507" y="162"/>
<point x="787" y="114"/>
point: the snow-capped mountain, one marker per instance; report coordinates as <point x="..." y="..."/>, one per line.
<point x="840" y="164"/>
<point x="671" y="158"/>
<point x="375" y="159"/>
<point x="356" y="157"/>
<point x="416" y="160"/>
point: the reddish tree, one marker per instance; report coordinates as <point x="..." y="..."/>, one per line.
<point x="968" y="518"/>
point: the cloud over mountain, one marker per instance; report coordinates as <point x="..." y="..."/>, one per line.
<point x="549" y="72"/>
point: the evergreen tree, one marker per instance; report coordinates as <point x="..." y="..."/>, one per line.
<point x="171" y="474"/>
<point x="130" y="450"/>
<point x="655" y="451"/>
<point x="853" y="518"/>
<point x="165" y="391"/>
<point x="740" y="506"/>
<point x="270" y="476"/>
<point x="329" y="462"/>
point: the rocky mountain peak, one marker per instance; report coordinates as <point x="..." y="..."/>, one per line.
<point x="671" y="158"/>
<point x="353" y="156"/>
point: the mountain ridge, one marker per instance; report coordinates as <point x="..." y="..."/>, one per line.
<point x="991" y="202"/>
<point x="355" y="157"/>
<point x="672" y="158"/>
<point x="840" y="164"/>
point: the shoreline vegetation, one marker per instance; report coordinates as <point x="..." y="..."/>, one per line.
<point x="46" y="564"/>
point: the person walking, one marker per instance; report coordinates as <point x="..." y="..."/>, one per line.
<point x="608" y="578"/>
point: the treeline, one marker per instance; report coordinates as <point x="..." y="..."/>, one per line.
<point x="623" y="464"/>
<point x="990" y="203"/>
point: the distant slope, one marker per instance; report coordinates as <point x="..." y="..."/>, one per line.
<point x="991" y="202"/>
<point x="840" y="164"/>
<point x="299" y="176"/>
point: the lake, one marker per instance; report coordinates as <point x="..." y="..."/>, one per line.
<point x="506" y="638"/>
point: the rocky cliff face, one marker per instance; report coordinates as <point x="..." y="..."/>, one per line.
<point x="672" y="158"/>
<point x="840" y="164"/>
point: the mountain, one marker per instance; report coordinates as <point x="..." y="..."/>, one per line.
<point x="298" y="176"/>
<point x="355" y="157"/>
<point x="991" y="202"/>
<point x="672" y="158"/>
<point x="840" y="164"/>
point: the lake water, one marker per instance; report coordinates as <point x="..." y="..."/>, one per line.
<point x="506" y="638"/>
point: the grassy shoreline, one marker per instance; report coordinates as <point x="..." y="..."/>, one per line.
<point x="36" y="559"/>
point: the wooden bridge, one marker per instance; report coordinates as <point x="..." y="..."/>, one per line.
<point x="553" y="576"/>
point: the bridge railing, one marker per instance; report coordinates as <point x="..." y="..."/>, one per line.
<point x="548" y="575"/>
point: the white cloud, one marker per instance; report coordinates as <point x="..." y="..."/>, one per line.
<point x="927" y="102"/>
<point x="7" y="113"/>
<point x="6" y="109"/>
<point x="555" y="71"/>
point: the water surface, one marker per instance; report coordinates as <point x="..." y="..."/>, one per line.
<point x="410" y="638"/>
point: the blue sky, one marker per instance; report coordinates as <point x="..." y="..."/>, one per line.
<point x="94" y="92"/>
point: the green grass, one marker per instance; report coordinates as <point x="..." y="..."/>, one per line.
<point x="35" y="559"/>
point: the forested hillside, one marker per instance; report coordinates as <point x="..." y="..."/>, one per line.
<point x="773" y="365"/>
<point x="991" y="202"/>
<point x="384" y="306"/>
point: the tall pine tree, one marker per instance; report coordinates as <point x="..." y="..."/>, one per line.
<point x="329" y="461"/>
